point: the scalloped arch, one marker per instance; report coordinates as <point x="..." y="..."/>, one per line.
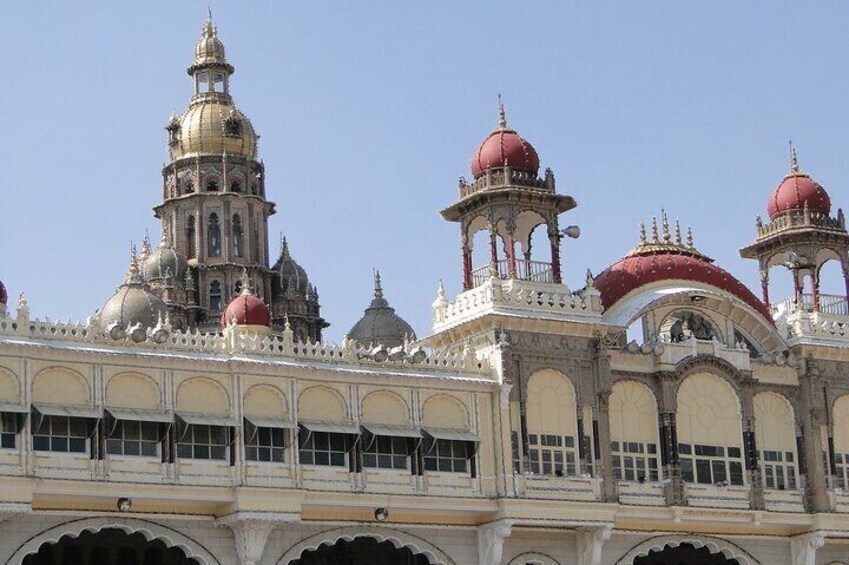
<point x="150" y="530"/>
<point x="533" y="558"/>
<point x="714" y="545"/>
<point x="397" y="538"/>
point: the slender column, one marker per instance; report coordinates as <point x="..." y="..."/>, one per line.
<point x="493" y="248"/>
<point x="467" y="267"/>
<point x="765" y="286"/>
<point x="815" y="289"/>
<point x="797" y="287"/>
<point x="555" y="258"/>
<point x="511" y="255"/>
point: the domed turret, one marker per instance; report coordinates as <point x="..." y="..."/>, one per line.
<point x="133" y="308"/>
<point x="164" y="262"/>
<point x="293" y="277"/>
<point x="246" y="309"/>
<point x="797" y="191"/>
<point x="381" y="325"/>
<point x="505" y="148"/>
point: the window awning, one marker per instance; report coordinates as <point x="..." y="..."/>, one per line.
<point x="90" y="412"/>
<point x="330" y="427"/>
<point x="452" y="434"/>
<point x="393" y="431"/>
<point x="207" y="419"/>
<point x="13" y="408"/>
<point x="141" y="415"/>
<point x="265" y="422"/>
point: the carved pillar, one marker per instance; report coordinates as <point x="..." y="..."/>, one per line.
<point x="674" y="490"/>
<point x="764" y="272"/>
<point x="251" y="531"/>
<point x="491" y="541"/>
<point x="814" y="425"/>
<point x="815" y="289"/>
<point x="467" y="264"/>
<point x="605" y="456"/>
<point x="554" y="237"/>
<point x="590" y="542"/>
<point x="511" y="255"/>
<point x="803" y="548"/>
<point x="797" y="288"/>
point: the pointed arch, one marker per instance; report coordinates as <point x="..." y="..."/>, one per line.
<point x="715" y="545"/>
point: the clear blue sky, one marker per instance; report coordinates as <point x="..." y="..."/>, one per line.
<point x="369" y="111"/>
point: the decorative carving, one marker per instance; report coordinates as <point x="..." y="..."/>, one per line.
<point x="491" y="541"/>
<point x="803" y="548"/>
<point x="251" y="531"/>
<point x="590" y="542"/>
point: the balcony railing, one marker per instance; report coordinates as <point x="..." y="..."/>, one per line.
<point x="828" y="304"/>
<point x="534" y="271"/>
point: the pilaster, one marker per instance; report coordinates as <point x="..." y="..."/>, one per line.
<point x="491" y="538"/>
<point x="590" y="542"/>
<point x="803" y="548"/>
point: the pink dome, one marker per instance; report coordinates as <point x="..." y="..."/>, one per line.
<point x="246" y="310"/>
<point x="795" y="191"/>
<point x="505" y="148"/>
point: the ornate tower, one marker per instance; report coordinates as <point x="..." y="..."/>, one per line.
<point x="801" y="235"/>
<point x="510" y="201"/>
<point x="295" y="299"/>
<point x="214" y="202"/>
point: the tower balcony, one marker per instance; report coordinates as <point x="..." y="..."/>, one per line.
<point x="829" y="304"/>
<point x="806" y="320"/>
<point x="526" y="270"/>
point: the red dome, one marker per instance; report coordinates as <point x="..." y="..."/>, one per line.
<point x="796" y="190"/>
<point x="4" y="297"/>
<point x="246" y="310"/>
<point x="636" y="271"/>
<point x="505" y="148"/>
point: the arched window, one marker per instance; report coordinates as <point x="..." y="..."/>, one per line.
<point x="235" y="186"/>
<point x="551" y="424"/>
<point x="255" y="242"/>
<point x="841" y="440"/>
<point x="710" y="439"/>
<point x="215" y="296"/>
<point x="237" y="235"/>
<point x="190" y="237"/>
<point x="775" y="434"/>
<point x="212" y="185"/>
<point x="633" y="432"/>
<point x="214" y="236"/>
<point x="188" y="186"/>
<point x="254" y="189"/>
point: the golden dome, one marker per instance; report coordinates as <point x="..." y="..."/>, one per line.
<point x="213" y="127"/>
<point x="209" y="49"/>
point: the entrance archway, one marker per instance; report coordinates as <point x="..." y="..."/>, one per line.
<point x="109" y="546"/>
<point x="360" y="551"/>
<point x="684" y="554"/>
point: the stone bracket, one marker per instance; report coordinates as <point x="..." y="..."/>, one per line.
<point x="251" y="531"/>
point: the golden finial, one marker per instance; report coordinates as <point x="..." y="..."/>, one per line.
<point x="677" y="233"/>
<point x="502" y="114"/>
<point x="642" y="233"/>
<point x="654" y="237"/>
<point x="794" y="159"/>
<point x="666" y="236"/>
<point x="209" y="28"/>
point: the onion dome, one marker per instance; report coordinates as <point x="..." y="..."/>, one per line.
<point x="798" y="191"/>
<point x="209" y="49"/>
<point x="133" y="304"/>
<point x="246" y="309"/>
<point x="293" y="277"/>
<point x="163" y="262"/>
<point x="505" y="148"/>
<point x="665" y="259"/>
<point x="4" y="296"/>
<point x="381" y="325"/>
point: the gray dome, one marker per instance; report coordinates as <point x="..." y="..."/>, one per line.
<point x="381" y="325"/>
<point x="293" y="277"/>
<point x="133" y="303"/>
<point x="163" y="262"/>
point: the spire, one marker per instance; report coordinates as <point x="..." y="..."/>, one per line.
<point x="654" y="237"/>
<point x="642" y="232"/>
<point x="209" y="30"/>
<point x="145" y="246"/>
<point x="284" y="247"/>
<point x="378" y="290"/>
<point x="666" y="236"/>
<point x="502" y="114"/>
<point x="677" y="232"/>
<point x="665" y="239"/>
<point x="133" y="276"/>
<point x="794" y="160"/>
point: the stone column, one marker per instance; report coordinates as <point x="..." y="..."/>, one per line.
<point x="803" y="548"/>
<point x="750" y="458"/>
<point x="813" y="422"/>
<point x="764" y="272"/>
<point x="590" y="542"/>
<point x="251" y="531"/>
<point x="491" y="539"/>
<point x="605" y="456"/>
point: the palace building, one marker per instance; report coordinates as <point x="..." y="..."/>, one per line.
<point x="198" y="417"/>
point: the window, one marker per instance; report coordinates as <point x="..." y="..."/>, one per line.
<point x="190" y="237"/>
<point x="214" y="247"/>
<point x="267" y="444"/>
<point x="778" y="469"/>
<point x="323" y="448"/>
<point x="711" y="464"/>
<point x="387" y="452"/>
<point x="634" y="461"/>
<point x="232" y="127"/>
<point x="235" y="186"/>
<point x="188" y="186"/>
<point x="212" y="185"/>
<point x="8" y="430"/>
<point x="215" y="296"/>
<point x="448" y="455"/>
<point x="134" y="438"/>
<point x="202" y="81"/>
<point x="201" y="441"/>
<point x="61" y="434"/>
<point x="552" y="454"/>
<point x="237" y="235"/>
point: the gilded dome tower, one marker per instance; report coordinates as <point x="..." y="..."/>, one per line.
<point x="214" y="202"/>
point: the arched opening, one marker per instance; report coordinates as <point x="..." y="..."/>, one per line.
<point x="237" y="235"/>
<point x="214" y="236"/>
<point x="633" y="432"/>
<point x="191" y="252"/>
<point x="832" y="288"/>
<point x="775" y="433"/>
<point x="360" y="551"/>
<point x="552" y="424"/>
<point x="684" y="554"/>
<point x="109" y="546"/>
<point x="215" y="297"/>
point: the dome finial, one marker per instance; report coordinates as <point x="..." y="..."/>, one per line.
<point x="502" y="114"/>
<point x="677" y="233"/>
<point x="378" y="290"/>
<point x="133" y="272"/>
<point x="642" y="233"/>
<point x="794" y="159"/>
<point x="654" y="236"/>
<point x="246" y="283"/>
<point x="667" y="237"/>
<point x="284" y="246"/>
<point x="145" y="246"/>
<point x="209" y="28"/>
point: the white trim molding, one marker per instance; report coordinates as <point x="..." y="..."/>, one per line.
<point x="714" y="545"/>
<point x="150" y="530"/>
<point x="397" y="538"/>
